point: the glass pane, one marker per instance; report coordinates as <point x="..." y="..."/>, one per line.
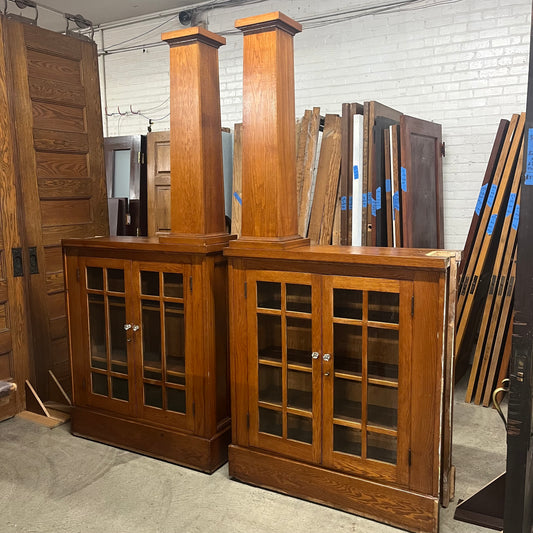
<point x="151" y="333"/>
<point x="299" y="298"/>
<point x="97" y="331"/>
<point x="117" y="334"/>
<point x="270" y="422"/>
<point x="119" y="388"/>
<point x="383" y="353"/>
<point x="95" y="278"/>
<point x="382" y="406"/>
<point x="176" y="400"/>
<point x="299" y="390"/>
<point x="175" y="342"/>
<point x="381" y="447"/>
<point x="270" y="384"/>
<point x="347" y="399"/>
<point x="347" y="440"/>
<point x="99" y="384"/>
<point x="299" y="428"/>
<point x="348" y="348"/>
<point x="153" y="395"/>
<point x="299" y="341"/>
<point x="121" y="173"/>
<point x="347" y="303"/>
<point x="269" y="337"/>
<point x="115" y="280"/>
<point x="173" y="285"/>
<point x="150" y="283"/>
<point x="268" y="295"/>
<point x="384" y="306"/>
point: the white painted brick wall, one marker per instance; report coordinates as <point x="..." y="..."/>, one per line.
<point x="462" y="64"/>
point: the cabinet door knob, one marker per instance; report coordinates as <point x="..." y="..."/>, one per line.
<point x="326" y="374"/>
<point x="127" y="326"/>
<point x="314" y="355"/>
<point x="135" y="327"/>
<point x="326" y="357"/>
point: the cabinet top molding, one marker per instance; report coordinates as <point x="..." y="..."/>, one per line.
<point x="188" y="35"/>
<point x="273" y="20"/>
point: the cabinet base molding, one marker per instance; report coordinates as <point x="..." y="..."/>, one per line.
<point x="206" y="455"/>
<point x="390" y="505"/>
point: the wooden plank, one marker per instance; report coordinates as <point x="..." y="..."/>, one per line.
<point x="236" y="200"/>
<point x="56" y="91"/>
<point x="346" y="170"/>
<point x="327" y="181"/>
<point x="388" y="193"/>
<point x="61" y="188"/>
<point x="37" y="38"/>
<point x="355" y="109"/>
<point x="487" y="180"/>
<point x="499" y="362"/>
<point x="497" y="207"/>
<point x="357" y="178"/>
<point x="397" y="212"/>
<point x="59" y="141"/>
<point x="301" y="145"/>
<point x="48" y="66"/>
<point x="59" y="165"/>
<point x="471" y="261"/>
<point x="309" y="171"/>
<point x="491" y="305"/>
<point x="58" y="117"/>
<point x="421" y="183"/>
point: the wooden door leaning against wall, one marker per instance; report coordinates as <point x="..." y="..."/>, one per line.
<point x="53" y="98"/>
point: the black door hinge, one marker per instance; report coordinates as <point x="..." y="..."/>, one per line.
<point x="77" y="274"/>
<point x="193" y="409"/>
<point x="245" y="289"/>
<point x="190" y="283"/>
<point x="443" y="149"/>
<point x="409" y="457"/>
<point x="248" y="420"/>
<point x="412" y="306"/>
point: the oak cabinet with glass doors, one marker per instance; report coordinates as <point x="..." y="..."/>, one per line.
<point x="340" y="374"/>
<point x="149" y="349"/>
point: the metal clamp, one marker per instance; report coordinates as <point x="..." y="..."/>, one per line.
<point x="504" y="388"/>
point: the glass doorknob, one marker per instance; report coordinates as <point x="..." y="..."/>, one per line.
<point x="326" y="357"/>
<point x="314" y="355"/>
<point x="127" y="326"/>
<point x="135" y="327"/>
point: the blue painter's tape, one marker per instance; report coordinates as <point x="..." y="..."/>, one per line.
<point x="492" y="223"/>
<point x="369" y="199"/>
<point x="387" y="185"/>
<point x="529" y="162"/>
<point x="237" y="197"/>
<point x="355" y="172"/>
<point x="492" y="194"/>
<point x="516" y="217"/>
<point x="510" y="205"/>
<point x="404" y="179"/>
<point x="373" y="207"/>
<point x="365" y="203"/>
<point x="481" y="198"/>
<point x="343" y="203"/>
<point x="350" y="203"/>
<point x="378" y="198"/>
<point x="396" y="201"/>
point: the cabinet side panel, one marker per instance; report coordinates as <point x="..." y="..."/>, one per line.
<point x="426" y="383"/>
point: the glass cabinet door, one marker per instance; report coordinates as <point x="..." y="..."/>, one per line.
<point x="161" y="312"/>
<point x="109" y="380"/>
<point x="367" y="332"/>
<point x="285" y="405"/>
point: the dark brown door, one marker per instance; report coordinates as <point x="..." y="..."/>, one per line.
<point x="421" y="183"/>
<point x="125" y="166"/>
<point x="55" y="104"/>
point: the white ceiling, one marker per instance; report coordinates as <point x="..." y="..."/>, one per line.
<point x="97" y="11"/>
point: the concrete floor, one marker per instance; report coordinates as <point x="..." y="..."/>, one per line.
<point x="52" y="482"/>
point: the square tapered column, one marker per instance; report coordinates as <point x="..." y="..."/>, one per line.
<point x="269" y="205"/>
<point x="196" y="173"/>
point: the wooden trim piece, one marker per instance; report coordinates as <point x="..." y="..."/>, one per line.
<point x="236" y="199"/>
<point x="384" y="503"/>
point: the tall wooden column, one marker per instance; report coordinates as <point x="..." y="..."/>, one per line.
<point x="269" y="206"/>
<point x="196" y="173"/>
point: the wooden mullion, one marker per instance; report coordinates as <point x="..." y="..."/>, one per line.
<point x="487" y="181"/>
<point x="395" y="183"/>
<point x="364" y="376"/>
<point x="346" y="129"/>
<point x="503" y="265"/>
<point x="515" y="130"/>
<point x="479" y="365"/>
<point x="484" y="237"/>
<point x="284" y="371"/>
<point x="236" y="199"/>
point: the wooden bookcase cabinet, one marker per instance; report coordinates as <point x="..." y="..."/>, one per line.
<point x="341" y="362"/>
<point x="148" y="376"/>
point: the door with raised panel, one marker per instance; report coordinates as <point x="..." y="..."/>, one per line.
<point x="284" y="370"/>
<point x="366" y="325"/>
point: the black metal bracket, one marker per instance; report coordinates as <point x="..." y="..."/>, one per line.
<point x="34" y="265"/>
<point x="18" y="267"/>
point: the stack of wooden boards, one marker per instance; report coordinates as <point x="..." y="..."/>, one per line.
<point x="370" y="177"/>
<point x="486" y="287"/>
